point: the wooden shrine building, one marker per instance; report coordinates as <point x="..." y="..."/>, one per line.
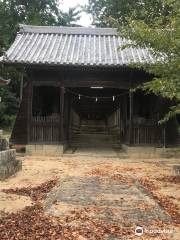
<point x="77" y="88"/>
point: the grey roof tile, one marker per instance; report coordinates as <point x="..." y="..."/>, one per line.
<point x="72" y="46"/>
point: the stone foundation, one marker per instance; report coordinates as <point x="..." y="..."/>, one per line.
<point x="150" y="152"/>
<point x="45" y="150"/>
<point x="8" y="163"/>
<point x="139" y="152"/>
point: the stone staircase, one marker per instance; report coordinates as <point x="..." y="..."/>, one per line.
<point x="94" y="133"/>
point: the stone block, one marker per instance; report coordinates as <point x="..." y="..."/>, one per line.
<point x="140" y="152"/>
<point x="4" y="144"/>
<point x="45" y="150"/>
<point x="8" y="163"/>
<point x="150" y="152"/>
<point x="7" y="156"/>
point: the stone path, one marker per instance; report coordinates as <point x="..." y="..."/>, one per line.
<point x="107" y="199"/>
<point x="96" y="152"/>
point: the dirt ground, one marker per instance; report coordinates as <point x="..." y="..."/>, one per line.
<point x="155" y="175"/>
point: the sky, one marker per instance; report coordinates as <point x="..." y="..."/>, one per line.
<point x="86" y="19"/>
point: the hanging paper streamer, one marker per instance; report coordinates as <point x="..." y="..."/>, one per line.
<point x="100" y="97"/>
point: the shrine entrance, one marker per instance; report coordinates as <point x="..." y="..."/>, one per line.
<point x="97" y="116"/>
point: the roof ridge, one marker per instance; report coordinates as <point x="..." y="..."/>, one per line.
<point x="67" y="30"/>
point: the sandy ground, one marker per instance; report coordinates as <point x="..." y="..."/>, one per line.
<point x="37" y="170"/>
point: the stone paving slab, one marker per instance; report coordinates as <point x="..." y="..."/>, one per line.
<point x="95" y="152"/>
<point x="108" y="200"/>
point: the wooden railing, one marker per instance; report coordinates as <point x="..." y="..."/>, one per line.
<point x="145" y="135"/>
<point x="45" y="129"/>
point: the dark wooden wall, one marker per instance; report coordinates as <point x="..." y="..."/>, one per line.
<point x="20" y="130"/>
<point x="123" y="78"/>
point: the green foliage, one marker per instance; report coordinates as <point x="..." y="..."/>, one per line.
<point x="12" y="13"/>
<point x="163" y="40"/>
<point x="34" y="12"/>
<point x="70" y="18"/>
<point x="147" y="10"/>
<point x="152" y="24"/>
<point x="8" y="106"/>
<point x="9" y="96"/>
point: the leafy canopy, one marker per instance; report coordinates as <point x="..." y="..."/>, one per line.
<point x="163" y="39"/>
<point x="153" y="24"/>
<point x="12" y="13"/>
<point x="146" y="10"/>
<point x="34" y="12"/>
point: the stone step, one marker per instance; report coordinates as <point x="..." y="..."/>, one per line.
<point x="90" y="133"/>
<point x="94" y="125"/>
<point x="89" y="139"/>
<point x="84" y="131"/>
<point x="92" y="122"/>
<point x="77" y="145"/>
<point x="94" y="139"/>
<point x="103" y="131"/>
<point x="93" y="132"/>
<point x="96" y="151"/>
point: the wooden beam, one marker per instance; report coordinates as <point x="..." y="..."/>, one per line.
<point x="98" y="83"/>
<point x="53" y="83"/>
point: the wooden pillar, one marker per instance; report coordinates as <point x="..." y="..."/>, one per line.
<point x="124" y="118"/>
<point x="164" y="136"/>
<point x="69" y="117"/>
<point x="131" y="100"/>
<point x="119" y="121"/>
<point x="21" y="87"/>
<point x="62" y="92"/>
<point x="125" y="109"/>
<point x="29" y="109"/>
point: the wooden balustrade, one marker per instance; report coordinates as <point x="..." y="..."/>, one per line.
<point x="146" y="134"/>
<point x="143" y="135"/>
<point x="45" y="129"/>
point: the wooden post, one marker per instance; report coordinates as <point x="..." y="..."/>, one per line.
<point x="124" y="117"/>
<point x="62" y="91"/>
<point x="21" y="87"/>
<point x="69" y="117"/>
<point x="29" y="109"/>
<point x="130" y="116"/>
<point x="164" y="136"/>
<point x="119" y="123"/>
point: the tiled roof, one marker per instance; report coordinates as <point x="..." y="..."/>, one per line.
<point x="75" y="46"/>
